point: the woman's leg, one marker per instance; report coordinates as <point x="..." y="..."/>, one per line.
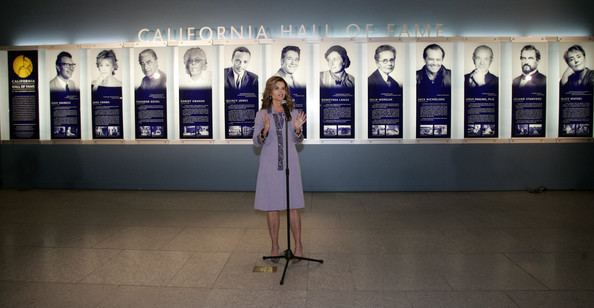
<point x="296" y="230"/>
<point x="273" y="219"/>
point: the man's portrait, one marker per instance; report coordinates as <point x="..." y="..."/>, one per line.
<point x="153" y="78"/>
<point x="433" y="78"/>
<point x="64" y="72"/>
<point x="380" y="79"/>
<point x="531" y="79"/>
<point x="237" y="76"/>
<point x="290" y="57"/>
<point x="481" y="80"/>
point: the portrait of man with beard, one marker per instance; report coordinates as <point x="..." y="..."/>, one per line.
<point x="531" y="81"/>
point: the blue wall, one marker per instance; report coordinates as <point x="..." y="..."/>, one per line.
<point x="385" y="167"/>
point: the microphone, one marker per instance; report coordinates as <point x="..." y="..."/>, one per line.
<point x="286" y="109"/>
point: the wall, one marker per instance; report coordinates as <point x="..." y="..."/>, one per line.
<point x="326" y="167"/>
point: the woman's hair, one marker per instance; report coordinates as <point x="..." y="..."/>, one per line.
<point x="108" y="54"/>
<point x="267" y="96"/>
<point x="342" y="52"/>
<point x="191" y="53"/>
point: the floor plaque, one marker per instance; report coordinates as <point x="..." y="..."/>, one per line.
<point x="264" y="269"/>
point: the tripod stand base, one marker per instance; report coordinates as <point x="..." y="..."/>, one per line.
<point x="288" y="255"/>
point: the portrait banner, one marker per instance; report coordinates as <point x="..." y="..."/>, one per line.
<point x="241" y="90"/>
<point x="481" y="90"/>
<point x="384" y="89"/>
<point x="150" y="96"/>
<point x="529" y="89"/>
<point x="575" y="89"/>
<point x="195" y="92"/>
<point x="434" y="90"/>
<point x="23" y="94"/>
<point x="64" y="88"/>
<point x="337" y="90"/>
<point x="289" y="61"/>
<point x="105" y="73"/>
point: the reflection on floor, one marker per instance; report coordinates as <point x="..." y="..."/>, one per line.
<point x="62" y="248"/>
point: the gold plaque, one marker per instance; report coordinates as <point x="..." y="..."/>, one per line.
<point x="264" y="269"/>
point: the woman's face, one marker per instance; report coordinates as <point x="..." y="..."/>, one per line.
<point x="196" y="65"/>
<point x="335" y="63"/>
<point x="105" y="66"/>
<point x="279" y="91"/>
<point x="576" y="60"/>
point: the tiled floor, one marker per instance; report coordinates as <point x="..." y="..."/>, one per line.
<point x="64" y="248"/>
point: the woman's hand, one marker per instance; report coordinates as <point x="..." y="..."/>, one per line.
<point x="266" y="123"/>
<point x="565" y="77"/>
<point x="300" y="119"/>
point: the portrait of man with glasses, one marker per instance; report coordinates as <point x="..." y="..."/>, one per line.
<point x="64" y="70"/>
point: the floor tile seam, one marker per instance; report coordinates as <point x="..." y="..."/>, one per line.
<point x="63" y="224"/>
<point x="115" y="233"/>
<point x="411" y="293"/>
<point x="65" y="283"/>
<point x="462" y="291"/>
<point x="103" y="264"/>
<point x="588" y="291"/>
<point x="189" y="257"/>
<point x="171" y="238"/>
<point x="61" y="247"/>
<point x="33" y="248"/>
<point x="238" y="240"/>
<point x="219" y="275"/>
<point x="517" y="265"/>
<point x="164" y="286"/>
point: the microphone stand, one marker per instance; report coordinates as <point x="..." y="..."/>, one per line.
<point x="288" y="254"/>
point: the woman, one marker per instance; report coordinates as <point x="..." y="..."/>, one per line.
<point x="336" y="75"/>
<point x="107" y="64"/>
<point x="269" y="132"/>
<point x="196" y="75"/>
<point x="577" y="77"/>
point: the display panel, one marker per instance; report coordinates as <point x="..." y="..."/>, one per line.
<point x="337" y="90"/>
<point x="150" y="95"/>
<point x="23" y="89"/>
<point x="195" y="92"/>
<point x="105" y="73"/>
<point x="481" y="90"/>
<point x="289" y="61"/>
<point x="529" y="89"/>
<point x="64" y="87"/>
<point x="241" y="80"/>
<point x="575" y="89"/>
<point x="384" y="90"/>
<point x="434" y="90"/>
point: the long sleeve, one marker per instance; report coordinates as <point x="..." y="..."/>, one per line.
<point x="258" y="126"/>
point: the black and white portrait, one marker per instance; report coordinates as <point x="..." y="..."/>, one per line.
<point x="291" y="68"/>
<point x="66" y="73"/>
<point x="335" y="68"/>
<point x="194" y="67"/>
<point x="151" y="69"/>
<point x="238" y="75"/>
<point x="385" y="68"/>
<point x="530" y="63"/>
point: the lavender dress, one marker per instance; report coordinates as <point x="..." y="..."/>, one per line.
<point x="271" y="187"/>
